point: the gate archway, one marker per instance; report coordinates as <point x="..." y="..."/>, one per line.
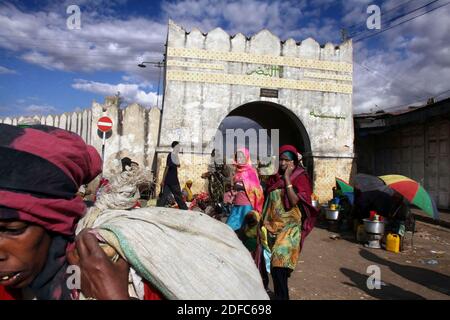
<point x="269" y="115"/>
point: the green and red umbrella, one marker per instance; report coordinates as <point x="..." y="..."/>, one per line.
<point x="413" y="192"/>
<point x="345" y="187"/>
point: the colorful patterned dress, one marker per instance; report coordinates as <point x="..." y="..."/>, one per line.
<point x="281" y="231"/>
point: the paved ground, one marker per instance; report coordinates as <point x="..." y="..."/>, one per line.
<point x="444" y="217"/>
<point x="336" y="269"/>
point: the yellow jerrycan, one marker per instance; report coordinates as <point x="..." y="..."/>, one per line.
<point x="393" y="243"/>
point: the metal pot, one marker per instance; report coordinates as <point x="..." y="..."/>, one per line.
<point x="332" y="214"/>
<point x="375" y="227"/>
<point x="315" y="203"/>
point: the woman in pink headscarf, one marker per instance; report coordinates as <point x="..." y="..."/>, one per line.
<point x="249" y="198"/>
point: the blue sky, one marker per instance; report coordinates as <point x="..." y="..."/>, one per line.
<point x="47" y="68"/>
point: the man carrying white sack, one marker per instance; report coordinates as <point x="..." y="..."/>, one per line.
<point x="151" y="253"/>
<point x="182" y="256"/>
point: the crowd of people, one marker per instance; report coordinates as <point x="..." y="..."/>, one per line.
<point x="272" y="218"/>
<point x="41" y="210"/>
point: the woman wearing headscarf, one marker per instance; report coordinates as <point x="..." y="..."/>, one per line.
<point x="187" y="192"/>
<point x="288" y="217"/>
<point x="41" y="170"/>
<point x="248" y="192"/>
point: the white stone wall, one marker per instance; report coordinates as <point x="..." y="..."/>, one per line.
<point x="134" y="133"/>
<point x="77" y="122"/>
<point x="199" y="107"/>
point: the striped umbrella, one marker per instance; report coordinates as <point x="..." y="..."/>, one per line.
<point x="413" y="192"/>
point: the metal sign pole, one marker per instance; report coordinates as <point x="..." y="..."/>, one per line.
<point x="103" y="151"/>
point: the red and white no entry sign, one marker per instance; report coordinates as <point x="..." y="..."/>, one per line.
<point x="104" y="124"/>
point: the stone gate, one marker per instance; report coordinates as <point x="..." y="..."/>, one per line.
<point x="301" y="88"/>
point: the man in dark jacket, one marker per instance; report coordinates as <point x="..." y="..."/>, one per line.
<point x="170" y="183"/>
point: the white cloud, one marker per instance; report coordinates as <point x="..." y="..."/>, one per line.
<point x="410" y="65"/>
<point x="35" y="109"/>
<point x="103" y="43"/>
<point x="131" y="93"/>
<point x="27" y="106"/>
<point x="411" y="62"/>
<point x="246" y="16"/>
<point x="4" y="70"/>
<point x="45" y="61"/>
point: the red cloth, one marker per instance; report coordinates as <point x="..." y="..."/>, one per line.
<point x="150" y="293"/>
<point x="66" y="150"/>
<point x="137" y="205"/>
<point x="241" y="199"/>
<point x="57" y="215"/>
<point x="288" y="147"/>
<point x="8" y="294"/>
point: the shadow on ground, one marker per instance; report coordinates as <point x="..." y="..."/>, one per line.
<point x="387" y="291"/>
<point x="428" y="278"/>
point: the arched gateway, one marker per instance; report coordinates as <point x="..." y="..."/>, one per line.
<point x="302" y="89"/>
<point x="269" y="115"/>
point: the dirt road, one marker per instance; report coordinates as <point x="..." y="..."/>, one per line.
<point x="337" y="269"/>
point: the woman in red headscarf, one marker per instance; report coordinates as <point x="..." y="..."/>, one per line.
<point x="288" y="217"/>
<point x="41" y="170"/>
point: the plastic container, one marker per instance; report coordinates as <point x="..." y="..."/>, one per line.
<point x="393" y="243"/>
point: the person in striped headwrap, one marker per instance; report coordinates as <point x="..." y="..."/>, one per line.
<point x="41" y="170"/>
<point x="121" y="254"/>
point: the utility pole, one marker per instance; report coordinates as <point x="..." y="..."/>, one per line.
<point x="344" y="35"/>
